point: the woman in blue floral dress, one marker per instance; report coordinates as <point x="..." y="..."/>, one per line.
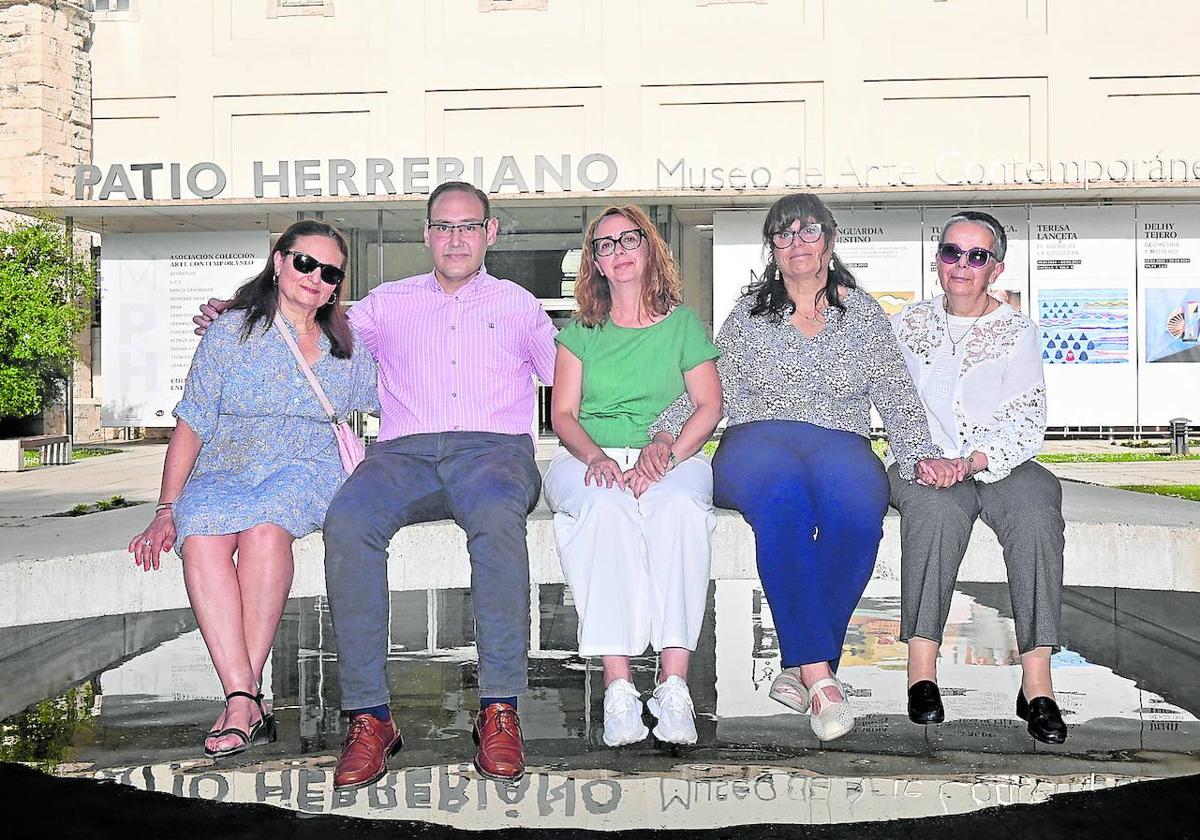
<point x="253" y="462"/>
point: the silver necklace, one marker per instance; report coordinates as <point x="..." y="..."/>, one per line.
<point x="817" y="317"/>
<point x="949" y="335"/>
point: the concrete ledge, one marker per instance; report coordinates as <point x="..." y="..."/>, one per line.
<point x="84" y="571"/>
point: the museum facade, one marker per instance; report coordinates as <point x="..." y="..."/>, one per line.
<point x="211" y="126"/>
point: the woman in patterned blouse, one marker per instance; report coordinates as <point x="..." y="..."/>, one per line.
<point x="804" y="356"/>
<point x="978" y="369"/>
<point x="253" y="463"/>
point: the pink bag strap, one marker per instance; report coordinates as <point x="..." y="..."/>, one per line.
<point x="312" y="379"/>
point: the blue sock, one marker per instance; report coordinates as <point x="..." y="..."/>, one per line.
<point x="377" y="712"/>
<point x="484" y="702"/>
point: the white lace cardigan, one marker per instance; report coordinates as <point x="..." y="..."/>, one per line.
<point x="999" y="397"/>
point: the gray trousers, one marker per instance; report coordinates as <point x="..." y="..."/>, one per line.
<point x="487" y="483"/>
<point x="1025" y="511"/>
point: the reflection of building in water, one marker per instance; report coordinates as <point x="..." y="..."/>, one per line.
<point x="976" y="634"/>
<point x="873" y="637"/>
<point x="158" y="677"/>
<point x="766" y="640"/>
<point x="979" y="671"/>
<point x="688" y="798"/>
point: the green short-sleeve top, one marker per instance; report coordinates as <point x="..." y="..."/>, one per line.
<point x="631" y="374"/>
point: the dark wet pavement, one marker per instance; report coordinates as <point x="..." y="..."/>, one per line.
<point x="129" y="697"/>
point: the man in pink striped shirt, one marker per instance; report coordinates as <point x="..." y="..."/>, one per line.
<point x="457" y="349"/>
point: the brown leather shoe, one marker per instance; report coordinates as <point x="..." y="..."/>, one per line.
<point x="369" y="742"/>
<point x="501" y="751"/>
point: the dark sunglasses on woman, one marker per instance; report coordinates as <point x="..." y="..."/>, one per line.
<point x="950" y="254"/>
<point x="305" y="264"/>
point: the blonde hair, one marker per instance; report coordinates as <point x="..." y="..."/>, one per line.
<point x="661" y="287"/>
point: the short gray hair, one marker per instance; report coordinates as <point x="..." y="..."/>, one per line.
<point x="987" y="220"/>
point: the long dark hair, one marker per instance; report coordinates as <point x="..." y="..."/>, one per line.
<point x="259" y="295"/>
<point x="770" y="295"/>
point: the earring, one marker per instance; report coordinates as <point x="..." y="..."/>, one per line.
<point x="332" y="299"/>
<point x="275" y="279"/>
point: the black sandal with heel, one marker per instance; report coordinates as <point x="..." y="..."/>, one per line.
<point x="262" y="731"/>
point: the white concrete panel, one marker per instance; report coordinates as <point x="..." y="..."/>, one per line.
<point x="295" y="136"/>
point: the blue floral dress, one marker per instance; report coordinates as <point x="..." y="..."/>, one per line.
<point x="268" y="452"/>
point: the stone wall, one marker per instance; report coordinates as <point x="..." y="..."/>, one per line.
<point x="45" y="97"/>
<point x="45" y="130"/>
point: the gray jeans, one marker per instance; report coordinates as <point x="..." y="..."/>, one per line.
<point x="487" y="483"/>
<point x="1025" y="511"/>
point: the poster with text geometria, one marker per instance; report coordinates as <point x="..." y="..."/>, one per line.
<point x="1084" y="326"/>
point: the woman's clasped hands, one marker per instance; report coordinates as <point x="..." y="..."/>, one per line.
<point x="652" y="464"/>
<point x="942" y="472"/>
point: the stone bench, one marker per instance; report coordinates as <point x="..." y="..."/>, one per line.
<point x="1114" y="539"/>
<point x="55" y="449"/>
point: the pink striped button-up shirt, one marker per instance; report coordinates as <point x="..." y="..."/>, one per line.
<point x="455" y="363"/>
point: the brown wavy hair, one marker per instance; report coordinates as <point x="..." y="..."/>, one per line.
<point x="259" y="296"/>
<point x="662" y="288"/>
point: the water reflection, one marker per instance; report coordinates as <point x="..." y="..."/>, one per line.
<point x="134" y="694"/>
<point x="690" y="798"/>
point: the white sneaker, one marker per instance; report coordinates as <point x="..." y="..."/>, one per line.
<point x="672" y="705"/>
<point x="623" y="714"/>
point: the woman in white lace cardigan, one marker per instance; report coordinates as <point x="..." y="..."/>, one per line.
<point x="977" y="366"/>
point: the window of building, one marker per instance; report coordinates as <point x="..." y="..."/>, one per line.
<point x="513" y="5"/>
<point x="299" y="8"/>
<point x="114" y="9"/>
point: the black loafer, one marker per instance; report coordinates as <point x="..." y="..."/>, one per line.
<point x="1044" y="718"/>
<point x="925" y="703"/>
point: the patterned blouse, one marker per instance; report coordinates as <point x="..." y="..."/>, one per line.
<point x="771" y="371"/>
<point x="982" y="387"/>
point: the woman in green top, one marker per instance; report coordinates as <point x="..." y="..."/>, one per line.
<point x="633" y="517"/>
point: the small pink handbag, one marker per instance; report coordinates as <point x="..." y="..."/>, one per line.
<point x="350" y="447"/>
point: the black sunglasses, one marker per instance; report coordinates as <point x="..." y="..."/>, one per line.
<point x="950" y="254"/>
<point x="305" y="264"/>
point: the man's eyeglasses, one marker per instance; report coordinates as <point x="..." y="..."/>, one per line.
<point x="445" y="229"/>
<point x="810" y="233"/>
<point x="305" y="264"/>
<point x="950" y="254"/>
<point x="629" y="240"/>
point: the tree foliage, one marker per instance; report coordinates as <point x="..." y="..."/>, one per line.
<point x="45" y="300"/>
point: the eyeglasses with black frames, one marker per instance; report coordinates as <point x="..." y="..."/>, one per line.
<point x="629" y="240"/>
<point x="950" y="254"/>
<point x="446" y="229"/>
<point x="305" y="264"/>
<point x="810" y="233"/>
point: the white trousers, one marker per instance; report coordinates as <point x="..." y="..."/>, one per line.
<point x="638" y="568"/>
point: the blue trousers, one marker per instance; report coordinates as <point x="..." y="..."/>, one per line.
<point x="487" y="483"/>
<point x="815" y="499"/>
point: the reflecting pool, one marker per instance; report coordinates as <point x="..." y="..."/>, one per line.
<point x="129" y="698"/>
